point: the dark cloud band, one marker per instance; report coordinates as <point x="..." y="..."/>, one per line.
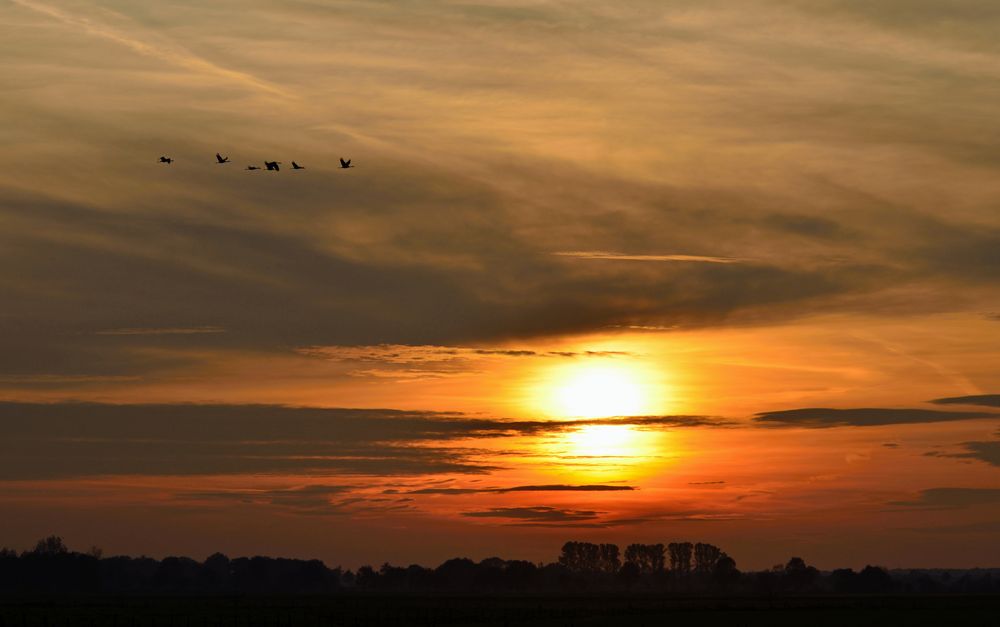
<point x="821" y="418"/>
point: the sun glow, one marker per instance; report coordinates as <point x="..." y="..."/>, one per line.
<point x="598" y="391"/>
<point x="604" y="441"/>
<point x="605" y="452"/>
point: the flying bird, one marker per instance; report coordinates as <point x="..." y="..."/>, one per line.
<point x="272" y="165"/>
<point x="221" y="159"/>
<point x="253" y="167"/>
<point x="296" y="166"/>
<point x="166" y="160"/>
<point x="345" y="164"/>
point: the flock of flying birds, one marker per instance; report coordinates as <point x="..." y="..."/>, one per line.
<point x="269" y="165"/>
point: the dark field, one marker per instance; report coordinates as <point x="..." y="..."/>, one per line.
<point x="376" y="611"/>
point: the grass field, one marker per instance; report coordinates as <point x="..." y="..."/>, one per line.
<point x="424" y="611"/>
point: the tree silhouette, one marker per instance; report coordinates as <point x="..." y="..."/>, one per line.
<point x="50" y="568"/>
<point x="680" y="558"/>
<point x="580" y="557"/>
<point x="873" y="579"/>
<point x="609" y="561"/>
<point x="366" y="577"/>
<point x="725" y="576"/>
<point x="798" y="576"/>
<point x="647" y="558"/>
<point x="706" y="556"/>
<point x="52" y="545"/>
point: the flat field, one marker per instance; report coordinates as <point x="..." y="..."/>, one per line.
<point x="496" y="611"/>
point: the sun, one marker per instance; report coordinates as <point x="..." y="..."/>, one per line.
<point x="598" y="391"/>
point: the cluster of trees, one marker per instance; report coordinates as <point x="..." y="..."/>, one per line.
<point x="52" y="568"/>
<point x="700" y="565"/>
<point x="675" y="568"/>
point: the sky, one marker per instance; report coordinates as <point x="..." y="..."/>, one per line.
<point x="645" y="271"/>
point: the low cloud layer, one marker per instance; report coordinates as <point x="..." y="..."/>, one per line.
<point x="822" y="418"/>
<point x="88" y="439"/>
<point x="951" y="498"/>
<point x="984" y="400"/>
<point x="523" y="488"/>
<point x="987" y="451"/>
<point x="541" y="514"/>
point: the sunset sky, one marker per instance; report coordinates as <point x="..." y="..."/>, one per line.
<point x="637" y="271"/>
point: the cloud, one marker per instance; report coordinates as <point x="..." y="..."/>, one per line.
<point x="87" y="439"/>
<point x="438" y="235"/>
<point x="57" y="380"/>
<point x="951" y="498"/>
<point x="807" y="226"/>
<point x="673" y="517"/>
<point x="427" y="361"/>
<point x="641" y="327"/>
<point x="818" y="418"/>
<point x="525" y="488"/>
<point x="988" y="452"/>
<point x="163" y="331"/>
<point x="101" y="268"/>
<point x="547" y="516"/>
<point x="161" y="49"/>
<point x="984" y="451"/>
<point x="539" y="514"/>
<point x="307" y="497"/>
<point x="984" y="400"/>
<point x="79" y="439"/>
<point x="537" y="427"/>
<point x="311" y="500"/>
<point x="626" y="257"/>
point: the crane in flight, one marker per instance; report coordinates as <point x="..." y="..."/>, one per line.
<point x="296" y="166"/>
<point x="272" y="165"/>
<point x="345" y="164"/>
<point x="221" y="159"/>
<point x="252" y="167"/>
<point x="166" y="160"/>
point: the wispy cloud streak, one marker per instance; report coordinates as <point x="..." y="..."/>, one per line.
<point x="164" y="51"/>
<point x="613" y="256"/>
<point x="523" y="488"/>
<point x="163" y="331"/>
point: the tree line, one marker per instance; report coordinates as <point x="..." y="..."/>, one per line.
<point x="677" y="568"/>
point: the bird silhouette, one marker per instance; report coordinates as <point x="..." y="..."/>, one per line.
<point x="272" y="165"/>
<point x="345" y="164"/>
<point x="296" y="166"/>
<point x="221" y="159"/>
<point x="252" y="167"/>
<point x="166" y="160"/>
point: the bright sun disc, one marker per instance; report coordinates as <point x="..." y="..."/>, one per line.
<point x="598" y="392"/>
